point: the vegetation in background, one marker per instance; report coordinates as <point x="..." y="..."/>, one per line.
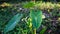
<point x="51" y="11"/>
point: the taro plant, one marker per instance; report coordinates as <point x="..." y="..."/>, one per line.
<point x="36" y="17"/>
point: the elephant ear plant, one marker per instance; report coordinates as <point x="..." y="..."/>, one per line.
<point x="36" y="17"/>
<point x="12" y="23"/>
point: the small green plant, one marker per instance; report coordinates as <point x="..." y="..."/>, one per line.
<point x="36" y="17"/>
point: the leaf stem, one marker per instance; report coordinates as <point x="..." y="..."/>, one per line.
<point x="34" y="30"/>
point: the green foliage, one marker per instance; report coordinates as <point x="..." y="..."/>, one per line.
<point x="36" y="16"/>
<point x="12" y="23"/>
<point x="43" y="30"/>
<point x="9" y="10"/>
<point x="28" y="5"/>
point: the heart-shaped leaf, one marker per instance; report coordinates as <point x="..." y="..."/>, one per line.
<point x="12" y="23"/>
<point x="36" y="16"/>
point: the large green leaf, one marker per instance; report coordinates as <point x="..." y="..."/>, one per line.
<point x="12" y="23"/>
<point x="36" y="16"/>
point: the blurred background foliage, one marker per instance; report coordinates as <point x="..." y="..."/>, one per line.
<point x="50" y="9"/>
